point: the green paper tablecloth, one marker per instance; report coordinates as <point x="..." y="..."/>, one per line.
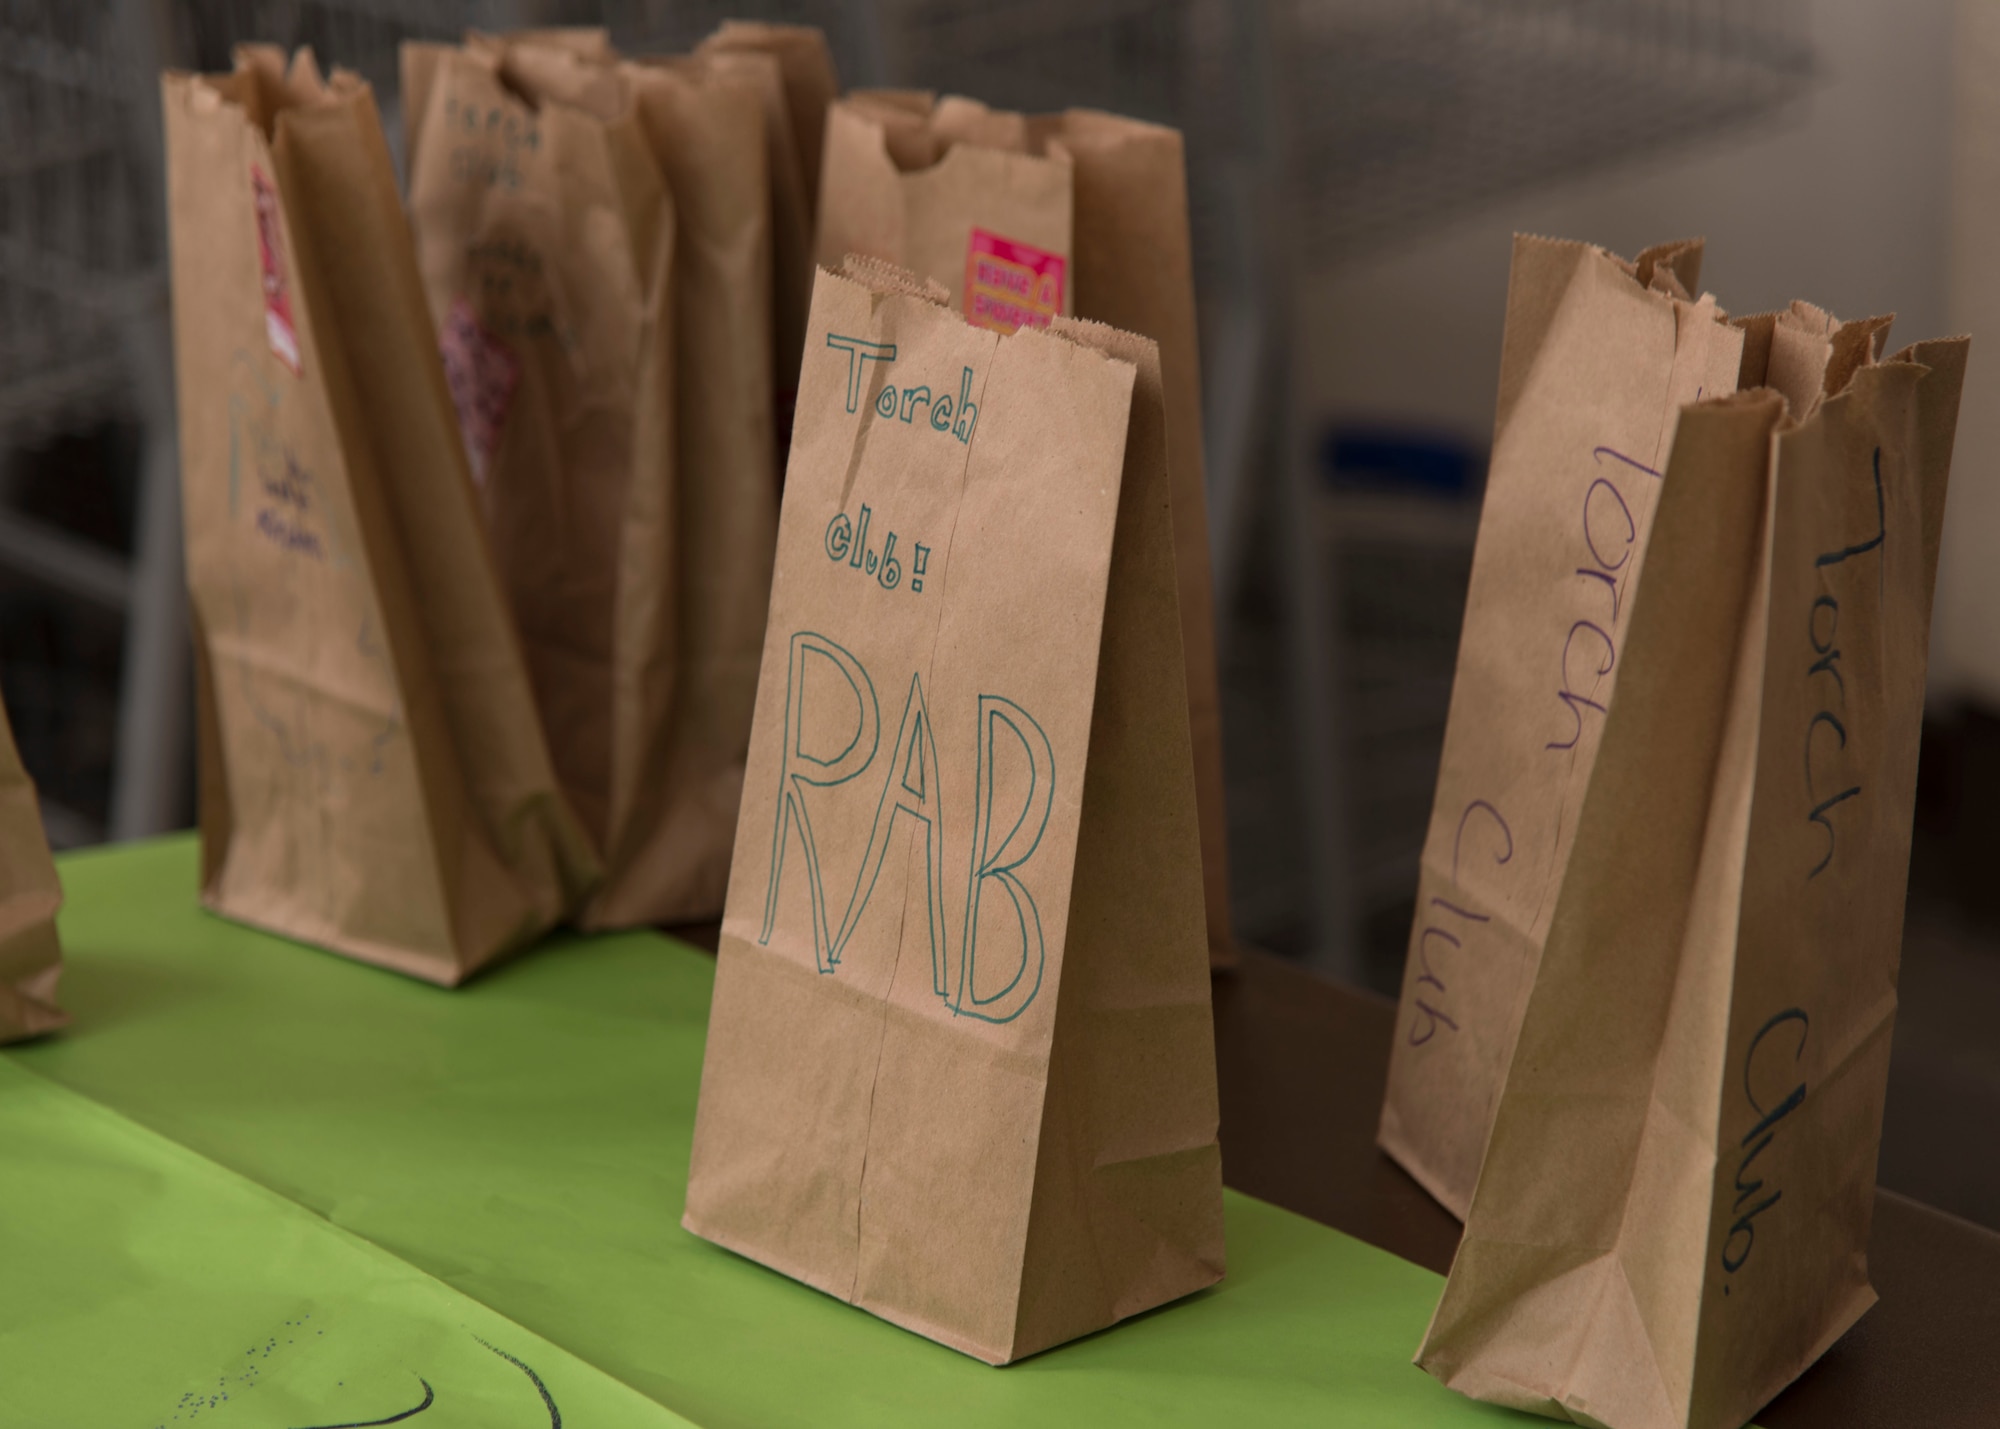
<point x="313" y="1193"/>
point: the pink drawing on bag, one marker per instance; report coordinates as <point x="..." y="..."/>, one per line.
<point x="1011" y="285"/>
<point x="279" y="329"/>
<point x="482" y="373"/>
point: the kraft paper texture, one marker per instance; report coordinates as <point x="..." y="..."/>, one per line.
<point x="373" y="776"/>
<point x="960" y="1069"/>
<point x="1671" y="1218"/>
<point x="1042" y="215"/>
<point x="1599" y="357"/>
<point x="30" y="951"/>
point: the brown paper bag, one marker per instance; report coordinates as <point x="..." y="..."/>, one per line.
<point x="703" y="124"/>
<point x="1599" y="357"/>
<point x="794" y="71"/>
<point x="790" y="222"/>
<point x="549" y="244"/>
<point x="977" y="212"/>
<point x="979" y="1104"/>
<point x="373" y="776"/>
<point x="1673" y="1216"/>
<point x="811" y="83"/>
<point x="975" y="198"/>
<point x="30" y="953"/>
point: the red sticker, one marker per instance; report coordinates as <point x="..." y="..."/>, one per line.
<point x="1010" y="285"/>
<point x="279" y="330"/>
<point x="482" y="373"/>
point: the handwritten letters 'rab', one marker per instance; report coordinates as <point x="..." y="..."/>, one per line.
<point x="960" y="1065"/>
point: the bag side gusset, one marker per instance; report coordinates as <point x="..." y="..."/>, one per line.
<point x="1128" y="1189"/>
<point x="342" y="718"/>
<point x="525" y="860"/>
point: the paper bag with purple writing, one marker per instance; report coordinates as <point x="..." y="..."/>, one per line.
<point x="1599" y="357"/>
<point x="960" y="1066"/>
<point x="373" y="776"/>
<point x="1672" y="1220"/>
<point x="548" y="241"/>
<point x="1023" y="217"/>
<point x="30" y="953"/>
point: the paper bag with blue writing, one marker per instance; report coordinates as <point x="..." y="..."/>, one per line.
<point x="373" y="775"/>
<point x="960" y="1067"/>
<point x="1673" y="1216"/>
<point x="1599" y="356"/>
<point x="30" y="952"/>
<point x="1024" y="217"/>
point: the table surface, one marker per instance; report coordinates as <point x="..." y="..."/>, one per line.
<point x="292" y="1189"/>
<point x="268" y="1187"/>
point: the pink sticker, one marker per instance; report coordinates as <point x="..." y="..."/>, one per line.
<point x="279" y="330"/>
<point x="482" y="373"/>
<point x="1009" y="285"/>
